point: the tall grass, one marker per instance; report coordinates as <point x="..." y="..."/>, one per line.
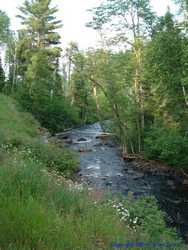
<point x="38" y="212"/>
<point x="15" y="127"/>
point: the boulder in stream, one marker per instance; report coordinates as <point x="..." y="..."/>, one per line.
<point x="109" y="183"/>
<point x="84" y="150"/>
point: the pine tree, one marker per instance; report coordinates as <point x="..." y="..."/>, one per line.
<point x="41" y="24"/>
<point x="4" y="27"/>
<point x="164" y="67"/>
<point x="39" y="36"/>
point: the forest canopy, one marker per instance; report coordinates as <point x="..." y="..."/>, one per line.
<point x="141" y="85"/>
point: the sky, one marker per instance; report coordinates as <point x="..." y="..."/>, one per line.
<point x="74" y="16"/>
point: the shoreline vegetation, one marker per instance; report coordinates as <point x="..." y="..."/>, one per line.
<point x="38" y="209"/>
<point x="156" y="166"/>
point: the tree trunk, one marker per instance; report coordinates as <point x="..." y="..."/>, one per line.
<point x="185" y="95"/>
<point x="139" y="95"/>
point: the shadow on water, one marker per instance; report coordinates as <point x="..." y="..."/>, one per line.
<point x="102" y="166"/>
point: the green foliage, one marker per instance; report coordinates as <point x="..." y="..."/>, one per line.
<point x="35" y="64"/>
<point x="38" y="39"/>
<point x="4" y="27"/>
<point x="135" y="88"/>
<point x="15" y="128"/>
<point x="150" y="218"/>
<point x="81" y="90"/>
<point x="20" y="130"/>
<point x="143" y="90"/>
<point x="2" y="77"/>
<point x="183" y="4"/>
<point x="59" y="114"/>
<point x="144" y="83"/>
<point x="38" y="17"/>
<point x="164" y="72"/>
<point x="40" y="91"/>
<point x="168" y="145"/>
<point x="39" y="212"/>
<point x="55" y="114"/>
<point x="120" y="14"/>
<point x="129" y="22"/>
<point x="164" y="69"/>
<point x="53" y="157"/>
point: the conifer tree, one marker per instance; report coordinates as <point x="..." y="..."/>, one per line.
<point x="4" y="27"/>
<point x="40" y="23"/>
<point x="39" y="36"/>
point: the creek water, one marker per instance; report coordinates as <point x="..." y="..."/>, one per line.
<point x="102" y="166"/>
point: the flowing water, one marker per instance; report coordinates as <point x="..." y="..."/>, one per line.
<point x="102" y="166"/>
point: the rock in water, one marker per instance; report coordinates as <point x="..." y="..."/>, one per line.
<point x="82" y="139"/>
<point x="109" y="183"/>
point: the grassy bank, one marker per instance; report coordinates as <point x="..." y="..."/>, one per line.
<point x="37" y="210"/>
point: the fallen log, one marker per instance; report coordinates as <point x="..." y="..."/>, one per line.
<point x="132" y="157"/>
<point x="103" y="135"/>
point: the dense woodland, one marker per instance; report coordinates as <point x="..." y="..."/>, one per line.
<point x="137" y="80"/>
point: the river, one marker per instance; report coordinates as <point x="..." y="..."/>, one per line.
<point x="102" y="166"/>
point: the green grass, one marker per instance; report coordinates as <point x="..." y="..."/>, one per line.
<point x="19" y="130"/>
<point x="38" y="211"/>
<point x="15" y="127"/>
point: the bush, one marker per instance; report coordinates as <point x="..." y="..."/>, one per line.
<point x="150" y="218"/>
<point x="53" y="157"/>
<point x="59" y="115"/>
<point x="168" y="145"/>
<point x="54" y="114"/>
<point x="19" y="131"/>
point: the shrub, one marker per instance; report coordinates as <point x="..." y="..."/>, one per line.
<point x="19" y="131"/>
<point x="54" y="114"/>
<point x="168" y="145"/>
<point x="53" y="157"/>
